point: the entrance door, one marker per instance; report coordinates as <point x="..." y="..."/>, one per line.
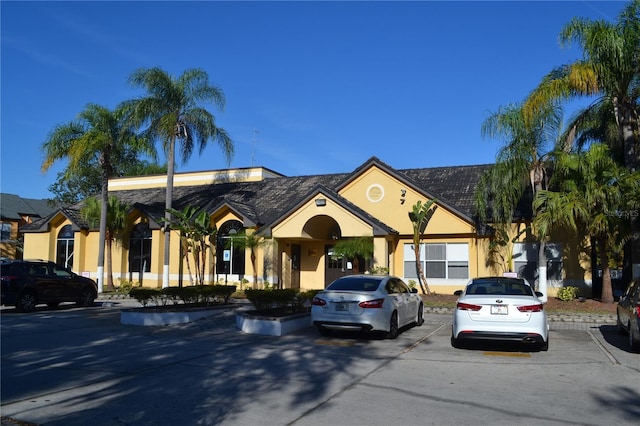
<point x="334" y="266"/>
<point x="295" y="265"/>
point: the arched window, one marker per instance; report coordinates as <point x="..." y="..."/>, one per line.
<point x="229" y="258"/>
<point x="140" y="250"/>
<point x="64" y="247"/>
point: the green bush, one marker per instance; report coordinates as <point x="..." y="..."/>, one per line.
<point x="172" y="293"/>
<point x="191" y="294"/>
<point x="568" y="293"/>
<point x="146" y="295"/>
<point x="126" y="286"/>
<point x="282" y="300"/>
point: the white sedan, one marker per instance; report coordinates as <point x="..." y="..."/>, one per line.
<point x="367" y="303"/>
<point x="500" y="309"/>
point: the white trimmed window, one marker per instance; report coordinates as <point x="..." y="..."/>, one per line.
<point x="525" y="260"/>
<point x="5" y="231"/>
<point x="438" y="260"/>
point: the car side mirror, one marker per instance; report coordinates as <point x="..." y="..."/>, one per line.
<point x="539" y="294"/>
<point x="457" y="293"/>
<point x="414" y="290"/>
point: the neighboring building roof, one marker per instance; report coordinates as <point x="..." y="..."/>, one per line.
<point x="262" y="203"/>
<point x="14" y="207"/>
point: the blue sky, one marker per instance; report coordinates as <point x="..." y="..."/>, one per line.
<point x="311" y="87"/>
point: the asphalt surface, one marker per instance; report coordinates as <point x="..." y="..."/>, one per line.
<point x="80" y="366"/>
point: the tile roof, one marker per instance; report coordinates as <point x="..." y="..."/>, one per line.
<point x="263" y="202"/>
<point x="14" y="207"/>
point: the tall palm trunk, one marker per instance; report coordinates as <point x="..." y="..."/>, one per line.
<point x="538" y="181"/>
<point x="253" y="265"/>
<point x="109" y="241"/>
<point x="631" y="145"/>
<point x="424" y="286"/>
<point x="607" y="291"/>
<point x="167" y="214"/>
<point x="103" y="225"/>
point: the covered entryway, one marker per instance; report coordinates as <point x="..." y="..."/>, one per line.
<point x="333" y="266"/>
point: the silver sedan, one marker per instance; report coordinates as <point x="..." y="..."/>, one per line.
<point x="367" y="303"/>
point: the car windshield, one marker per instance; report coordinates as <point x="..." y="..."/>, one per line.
<point x="355" y="284"/>
<point x="499" y="286"/>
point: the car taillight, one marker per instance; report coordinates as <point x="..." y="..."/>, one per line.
<point x="637" y="310"/>
<point x="467" y="307"/>
<point x="531" y="308"/>
<point x="371" y="303"/>
<point x="318" y="302"/>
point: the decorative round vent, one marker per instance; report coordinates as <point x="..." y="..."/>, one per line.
<point x="375" y="193"/>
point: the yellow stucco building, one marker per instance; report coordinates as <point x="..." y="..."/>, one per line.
<point x="301" y="218"/>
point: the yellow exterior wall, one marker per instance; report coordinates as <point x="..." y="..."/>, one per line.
<point x="380" y="195"/>
<point x="292" y="227"/>
<point x="36" y="246"/>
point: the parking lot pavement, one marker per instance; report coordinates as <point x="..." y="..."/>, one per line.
<point x="81" y="366"/>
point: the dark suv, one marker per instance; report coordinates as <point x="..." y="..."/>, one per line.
<point x="27" y="283"/>
<point x="629" y="314"/>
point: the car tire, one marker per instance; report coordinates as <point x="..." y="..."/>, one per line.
<point x="634" y="345"/>
<point x="619" y="325"/>
<point x="324" y="332"/>
<point x="86" y="298"/>
<point x="455" y="343"/>
<point x="26" y="302"/>
<point x="420" y="316"/>
<point x="393" y="326"/>
<point x="544" y="347"/>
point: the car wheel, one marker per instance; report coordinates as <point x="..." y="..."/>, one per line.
<point x="86" y="298"/>
<point x="454" y="342"/>
<point x="324" y="332"/>
<point x="633" y="343"/>
<point x="619" y="325"/>
<point x="545" y="346"/>
<point x="26" y="302"/>
<point x="420" y="315"/>
<point x="53" y="304"/>
<point x="393" y="326"/>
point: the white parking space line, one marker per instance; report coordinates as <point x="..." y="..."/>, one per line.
<point x="604" y="350"/>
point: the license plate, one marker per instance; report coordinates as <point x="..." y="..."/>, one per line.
<point x="499" y="310"/>
<point x="342" y="307"/>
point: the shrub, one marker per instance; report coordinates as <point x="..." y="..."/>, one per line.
<point x="379" y="270"/>
<point x="568" y="293"/>
<point x="266" y="301"/>
<point x="224" y="291"/>
<point x="145" y="295"/>
<point x="126" y="286"/>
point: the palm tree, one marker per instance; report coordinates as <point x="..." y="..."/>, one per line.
<point x="171" y="111"/>
<point x="197" y="235"/>
<point x="610" y="73"/>
<point x="98" y="135"/>
<point x="117" y="212"/>
<point x="251" y="241"/>
<point x="594" y="192"/>
<point x="353" y="248"/>
<point x="420" y="215"/>
<point x="521" y="166"/>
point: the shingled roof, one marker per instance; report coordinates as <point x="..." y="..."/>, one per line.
<point x="14" y="207"/>
<point x="263" y="202"/>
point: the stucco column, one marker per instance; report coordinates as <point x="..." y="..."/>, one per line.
<point x="381" y="253"/>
